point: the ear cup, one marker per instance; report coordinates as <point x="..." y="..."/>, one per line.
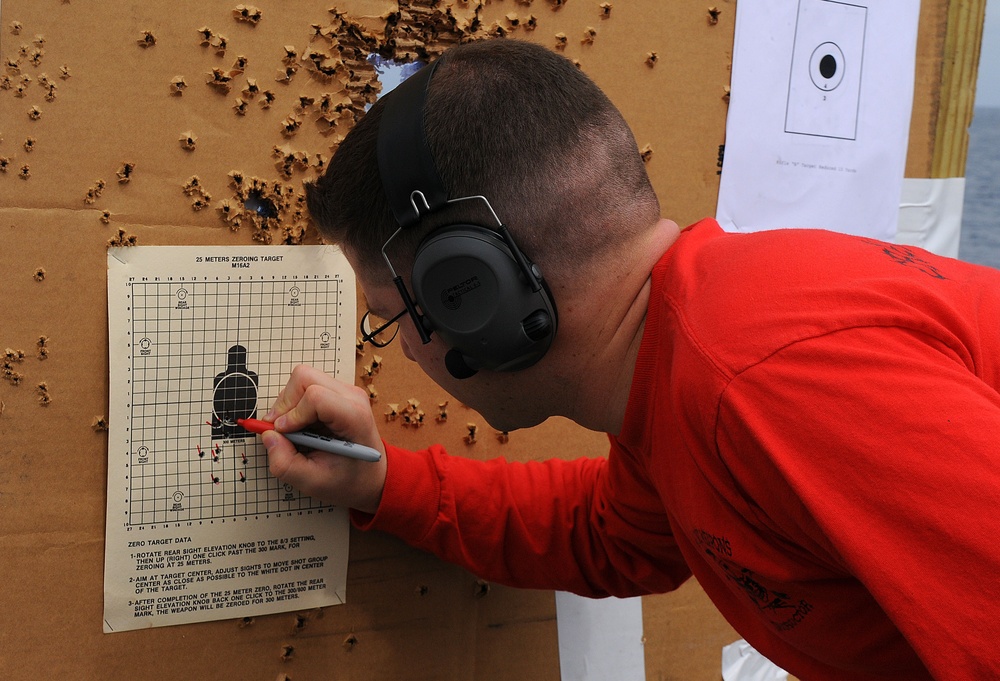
<point x="478" y="300"/>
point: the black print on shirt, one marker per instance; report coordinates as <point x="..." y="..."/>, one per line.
<point x="907" y="257"/>
<point x="781" y="609"/>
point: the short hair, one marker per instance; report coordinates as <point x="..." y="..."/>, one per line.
<point x="522" y="126"/>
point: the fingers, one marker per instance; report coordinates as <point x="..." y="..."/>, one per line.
<point x="312" y="396"/>
<point x="345" y="410"/>
<point x="327" y="477"/>
<point x="302" y="377"/>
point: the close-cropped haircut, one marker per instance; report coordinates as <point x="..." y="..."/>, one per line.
<point x="520" y="125"/>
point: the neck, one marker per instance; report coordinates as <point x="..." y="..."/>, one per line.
<point x="604" y="326"/>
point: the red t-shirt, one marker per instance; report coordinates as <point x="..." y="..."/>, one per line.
<point x="810" y="431"/>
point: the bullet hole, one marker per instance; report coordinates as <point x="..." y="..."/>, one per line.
<point x="300" y="623"/>
<point x="4" y="164"/>
<point x="106" y="217"/>
<point x="442" y="415"/>
<point x="588" y="36"/>
<point x="646" y="153"/>
<point x="482" y="588"/>
<point x="561" y="41"/>
<point x="721" y="157"/>
<point x="42" y="390"/>
<point x="470" y="436"/>
<point x="64" y="72"/>
<point x="605" y="10"/>
<point x="422" y="590"/>
<point x="226" y="210"/>
<point x="286" y="652"/>
<point x="289" y="160"/>
<point x="122" y="239"/>
<point x="251" y="90"/>
<point x="392" y="413"/>
<point x="411" y="414"/>
<point x="503" y="436"/>
<point x="220" y="80"/>
<point x="12" y="357"/>
<point x="94" y="193"/>
<point x="39" y="274"/>
<point x="651" y="59"/>
<point x="285" y="75"/>
<point x="125" y="173"/>
<point x="188" y="141"/>
<point x="259" y="204"/>
<point x="713" y="15"/>
<point x="146" y="39"/>
<point x="178" y="85"/>
<point x="99" y="424"/>
<point x="530" y="22"/>
<point x="43" y="348"/>
<point x="248" y="14"/>
<point x="498" y="31"/>
<point x="245" y="622"/>
<point x="193" y="186"/>
<point x="370" y="370"/>
<point x="350" y="642"/>
<point x="29" y="144"/>
<point x="319" y="162"/>
<point x="25" y="172"/>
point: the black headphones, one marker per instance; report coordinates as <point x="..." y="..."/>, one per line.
<point x="474" y="286"/>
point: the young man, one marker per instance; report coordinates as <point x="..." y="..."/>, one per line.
<point x="803" y="420"/>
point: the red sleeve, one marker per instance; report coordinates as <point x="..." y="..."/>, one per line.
<point x="553" y="524"/>
<point x="883" y="457"/>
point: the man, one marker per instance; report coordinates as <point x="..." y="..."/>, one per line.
<point x="803" y="420"/>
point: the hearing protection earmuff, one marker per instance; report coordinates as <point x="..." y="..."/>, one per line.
<point x="473" y="285"/>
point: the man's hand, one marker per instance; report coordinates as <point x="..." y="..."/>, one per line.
<point x="311" y="397"/>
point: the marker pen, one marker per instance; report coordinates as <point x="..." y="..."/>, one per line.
<point x="313" y="441"/>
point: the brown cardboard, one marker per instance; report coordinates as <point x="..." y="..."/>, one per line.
<point x="115" y="69"/>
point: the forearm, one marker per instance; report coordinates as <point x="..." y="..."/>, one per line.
<point x="535" y="525"/>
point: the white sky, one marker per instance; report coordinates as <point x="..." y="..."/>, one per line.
<point x="988" y="87"/>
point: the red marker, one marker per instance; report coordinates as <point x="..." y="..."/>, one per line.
<point x="313" y="441"/>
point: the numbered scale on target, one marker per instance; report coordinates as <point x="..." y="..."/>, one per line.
<point x="203" y="353"/>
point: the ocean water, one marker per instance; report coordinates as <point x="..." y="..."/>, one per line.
<point x="980" y="239"/>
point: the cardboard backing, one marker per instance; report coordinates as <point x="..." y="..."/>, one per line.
<point x="116" y="129"/>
